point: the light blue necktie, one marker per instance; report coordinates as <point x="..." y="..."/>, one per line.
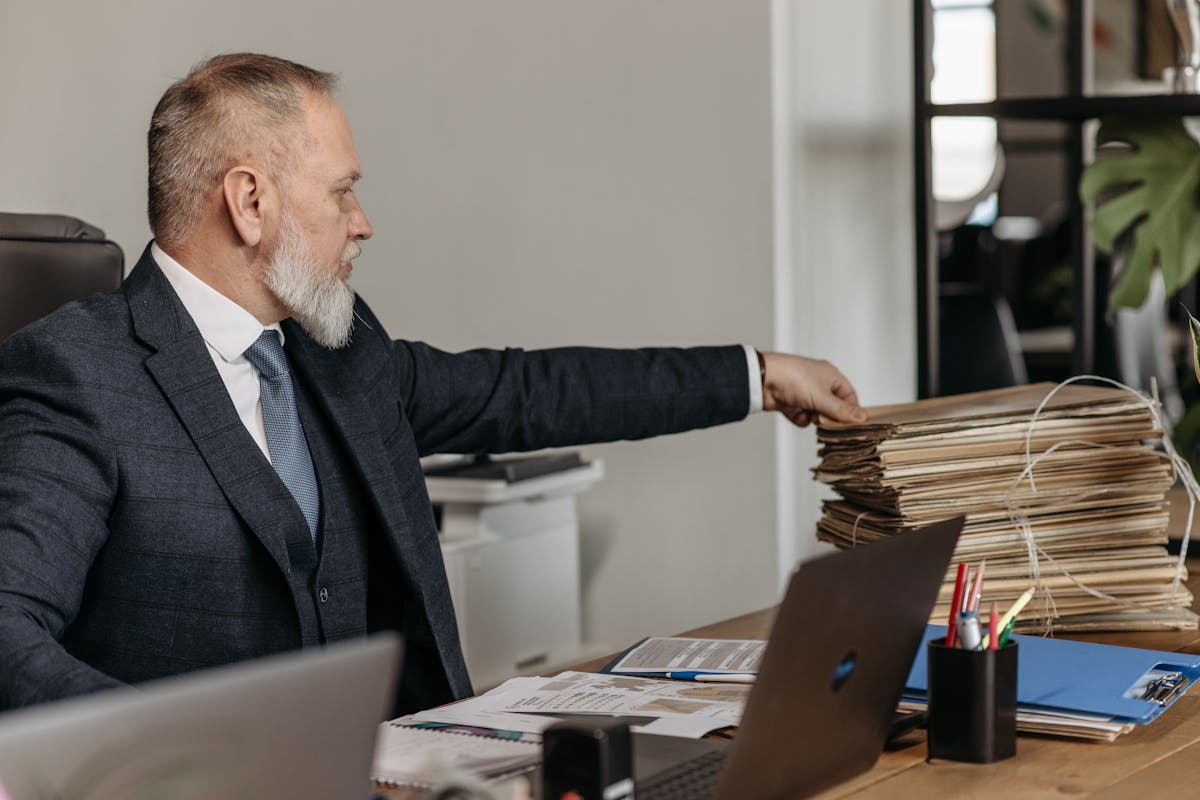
<point x="285" y="437"/>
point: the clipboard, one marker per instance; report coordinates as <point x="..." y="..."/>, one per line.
<point x="1069" y="676"/>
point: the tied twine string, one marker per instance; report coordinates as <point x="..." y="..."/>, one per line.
<point x="1181" y="472"/>
<point x="853" y="534"/>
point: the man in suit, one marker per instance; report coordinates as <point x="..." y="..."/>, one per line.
<point x="220" y="460"/>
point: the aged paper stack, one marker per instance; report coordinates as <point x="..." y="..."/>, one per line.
<point x="1096" y="507"/>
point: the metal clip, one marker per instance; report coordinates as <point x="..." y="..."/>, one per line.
<point x="1165" y="688"/>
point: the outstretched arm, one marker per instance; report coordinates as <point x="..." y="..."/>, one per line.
<point x="802" y="388"/>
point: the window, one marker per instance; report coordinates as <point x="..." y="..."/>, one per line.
<point x="964" y="58"/>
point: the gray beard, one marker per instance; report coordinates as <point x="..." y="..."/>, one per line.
<point x="323" y="305"/>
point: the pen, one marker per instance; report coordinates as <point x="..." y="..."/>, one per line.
<point x="727" y="678"/>
<point x="956" y="604"/>
<point x="993" y="625"/>
<point x="712" y="677"/>
<point x="977" y="588"/>
<point x="968" y="630"/>
<point x="1011" y="614"/>
<point x="966" y="593"/>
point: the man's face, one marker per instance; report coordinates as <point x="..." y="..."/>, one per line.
<point x="320" y="227"/>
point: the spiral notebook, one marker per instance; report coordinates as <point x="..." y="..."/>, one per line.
<point x="408" y="756"/>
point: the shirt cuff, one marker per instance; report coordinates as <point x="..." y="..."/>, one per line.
<point x="752" y="371"/>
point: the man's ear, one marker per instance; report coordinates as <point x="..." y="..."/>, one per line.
<point x="243" y="192"/>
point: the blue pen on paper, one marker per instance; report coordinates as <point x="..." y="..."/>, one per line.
<point x="969" y="637"/>
<point x="712" y="677"/>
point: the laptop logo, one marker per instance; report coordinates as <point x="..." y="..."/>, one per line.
<point x="841" y="673"/>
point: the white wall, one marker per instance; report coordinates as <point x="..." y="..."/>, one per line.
<point x="846" y="278"/>
<point x="583" y="172"/>
<point x="558" y="171"/>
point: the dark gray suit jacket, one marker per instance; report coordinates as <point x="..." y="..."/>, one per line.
<point x="140" y="528"/>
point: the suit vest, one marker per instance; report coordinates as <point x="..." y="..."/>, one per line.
<point x="350" y="583"/>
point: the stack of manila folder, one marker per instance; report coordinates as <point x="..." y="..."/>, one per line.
<point x="1096" y="506"/>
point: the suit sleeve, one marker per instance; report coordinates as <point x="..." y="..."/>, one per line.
<point x="517" y="400"/>
<point x="57" y="481"/>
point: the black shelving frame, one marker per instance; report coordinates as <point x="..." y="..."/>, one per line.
<point x="1075" y="108"/>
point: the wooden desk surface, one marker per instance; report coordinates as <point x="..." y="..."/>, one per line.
<point x="1159" y="759"/>
<point x="1155" y="760"/>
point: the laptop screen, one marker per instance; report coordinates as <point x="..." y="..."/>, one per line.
<point x="835" y="665"/>
<point x="299" y="725"/>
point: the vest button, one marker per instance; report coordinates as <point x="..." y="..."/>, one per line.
<point x="323" y="595"/>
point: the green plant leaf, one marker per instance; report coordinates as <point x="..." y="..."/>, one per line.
<point x="1194" y="327"/>
<point x="1153" y="195"/>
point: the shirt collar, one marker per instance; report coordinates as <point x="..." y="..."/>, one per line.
<point x="225" y="326"/>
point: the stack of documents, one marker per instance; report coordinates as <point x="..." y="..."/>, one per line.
<point x="498" y="734"/>
<point x="530" y="705"/>
<point x="1096" y="507"/>
<point x="1080" y="690"/>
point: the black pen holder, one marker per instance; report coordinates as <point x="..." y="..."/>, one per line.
<point x="972" y="703"/>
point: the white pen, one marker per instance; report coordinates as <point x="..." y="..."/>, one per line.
<point x="729" y="677"/>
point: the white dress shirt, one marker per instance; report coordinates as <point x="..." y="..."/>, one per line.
<point x="756" y="387"/>
<point x="228" y="329"/>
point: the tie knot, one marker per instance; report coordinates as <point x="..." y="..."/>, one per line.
<point x="267" y="355"/>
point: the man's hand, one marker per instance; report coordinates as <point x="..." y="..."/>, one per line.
<point x="801" y="388"/>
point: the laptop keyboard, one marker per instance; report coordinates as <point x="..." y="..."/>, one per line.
<point x="694" y="779"/>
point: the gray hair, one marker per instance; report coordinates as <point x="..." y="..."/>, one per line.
<point x="228" y="108"/>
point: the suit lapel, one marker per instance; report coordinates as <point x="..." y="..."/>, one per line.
<point x="324" y="370"/>
<point x="183" y="370"/>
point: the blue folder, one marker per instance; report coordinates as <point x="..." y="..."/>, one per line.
<point x="1081" y="677"/>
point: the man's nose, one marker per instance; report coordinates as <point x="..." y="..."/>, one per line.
<point x="360" y="226"/>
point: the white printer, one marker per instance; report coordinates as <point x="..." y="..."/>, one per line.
<point x="510" y="539"/>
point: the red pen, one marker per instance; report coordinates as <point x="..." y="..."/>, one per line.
<point x="993" y="629"/>
<point x="960" y="586"/>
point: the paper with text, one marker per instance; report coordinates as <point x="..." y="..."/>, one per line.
<point x="660" y="654"/>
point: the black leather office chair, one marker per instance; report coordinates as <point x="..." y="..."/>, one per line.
<point x="977" y="341"/>
<point x="47" y="260"/>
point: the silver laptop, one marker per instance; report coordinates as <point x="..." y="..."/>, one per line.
<point x="299" y="725"/>
<point x="834" y="668"/>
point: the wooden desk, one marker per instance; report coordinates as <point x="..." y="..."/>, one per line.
<point x="1159" y="760"/>
<point x="1156" y="760"/>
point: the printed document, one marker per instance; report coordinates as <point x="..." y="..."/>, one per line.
<point x="529" y="705"/>
<point x="661" y="654"/>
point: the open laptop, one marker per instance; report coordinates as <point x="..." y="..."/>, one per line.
<point x="299" y="725"/>
<point x="834" y="668"/>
